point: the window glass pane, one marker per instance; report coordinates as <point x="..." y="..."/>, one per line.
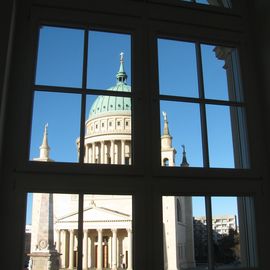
<point x="51" y="230"/>
<point x="60" y="57"/>
<point x="177" y="68"/>
<point x="226" y="233"/>
<point x="220" y="73"/>
<point x="108" y="138"/>
<point x="181" y="143"/>
<point x="107" y="232"/>
<point x="184" y="239"/>
<point x="214" y="74"/>
<point x="55" y="127"/>
<point x="104" y="70"/>
<point x="200" y="232"/>
<point x="220" y="141"/>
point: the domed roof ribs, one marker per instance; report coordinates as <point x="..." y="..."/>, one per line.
<point x="112" y="103"/>
<point x="121" y="74"/>
<point x="107" y="103"/>
<point x="103" y="103"/>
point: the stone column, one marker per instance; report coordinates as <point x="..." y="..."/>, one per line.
<point x="102" y="159"/>
<point x="128" y="151"/>
<point x="97" y="153"/>
<point x="86" y="159"/>
<point x="90" y="154"/>
<point x="112" y="152"/>
<point x="130" y="265"/>
<point x="58" y="241"/>
<point x="99" y="250"/>
<point x="93" y="255"/>
<point x="89" y="251"/>
<point x="71" y="249"/>
<point x="114" y="249"/>
<point x="116" y="158"/>
<point x="85" y="249"/>
<point x="123" y="152"/>
<point x="64" y="249"/>
<point x="93" y="152"/>
<point x="106" y="153"/>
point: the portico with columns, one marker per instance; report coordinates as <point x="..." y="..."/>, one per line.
<point x="107" y="239"/>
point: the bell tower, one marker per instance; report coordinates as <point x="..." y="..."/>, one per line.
<point x="44" y="149"/>
<point x="167" y="151"/>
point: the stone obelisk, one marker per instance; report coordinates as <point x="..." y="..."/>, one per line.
<point x="43" y="254"/>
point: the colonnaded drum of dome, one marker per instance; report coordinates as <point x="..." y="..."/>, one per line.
<point x="108" y="127"/>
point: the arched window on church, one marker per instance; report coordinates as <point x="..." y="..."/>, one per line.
<point x="165" y="162"/>
<point x="179" y="211"/>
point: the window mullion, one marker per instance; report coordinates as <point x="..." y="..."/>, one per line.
<point x="208" y="210"/>
<point x="83" y="101"/>
<point x="80" y="231"/>
<point x="205" y="148"/>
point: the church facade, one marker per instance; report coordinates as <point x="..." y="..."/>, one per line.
<point x="107" y="219"/>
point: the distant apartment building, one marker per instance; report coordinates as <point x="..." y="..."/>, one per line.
<point x="221" y="226"/>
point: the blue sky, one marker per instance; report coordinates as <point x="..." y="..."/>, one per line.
<point x="60" y="61"/>
<point x="178" y="76"/>
<point x="220" y="206"/>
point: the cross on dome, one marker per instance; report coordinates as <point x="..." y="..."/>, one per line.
<point x="121" y="74"/>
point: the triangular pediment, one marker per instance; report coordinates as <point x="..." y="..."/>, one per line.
<point x="96" y="214"/>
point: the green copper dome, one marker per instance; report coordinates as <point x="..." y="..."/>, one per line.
<point x="112" y="104"/>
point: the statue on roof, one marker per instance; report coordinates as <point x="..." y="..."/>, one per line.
<point x="121" y="57"/>
<point x="165" y="116"/>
